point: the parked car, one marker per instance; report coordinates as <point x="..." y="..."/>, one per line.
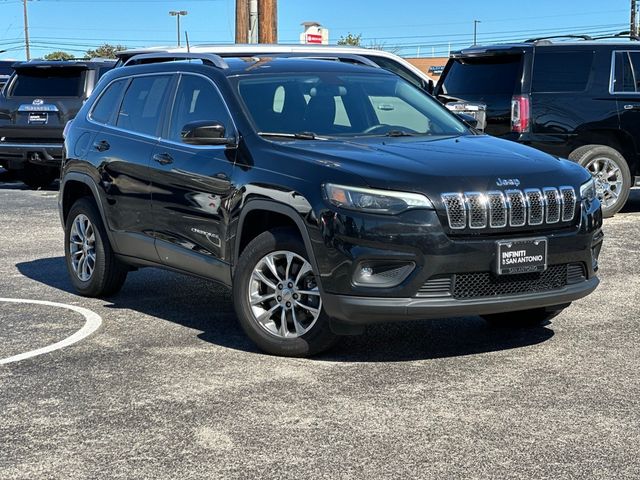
<point x="39" y="99"/>
<point x="368" y="56"/>
<point x="576" y="99"/>
<point x="327" y="195"/>
<point x="6" y="70"/>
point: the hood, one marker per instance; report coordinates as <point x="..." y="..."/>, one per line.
<point x="437" y="165"/>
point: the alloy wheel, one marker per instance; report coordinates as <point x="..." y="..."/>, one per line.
<point x="608" y="177"/>
<point x="82" y="247"/>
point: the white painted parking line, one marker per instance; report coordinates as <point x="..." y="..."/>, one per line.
<point x="92" y="323"/>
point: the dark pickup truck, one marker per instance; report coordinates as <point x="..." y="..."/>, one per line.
<point x="35" y="105"/>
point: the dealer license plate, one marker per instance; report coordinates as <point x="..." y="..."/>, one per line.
<point x="522" y="256"/>
<point x="39" y="118"/>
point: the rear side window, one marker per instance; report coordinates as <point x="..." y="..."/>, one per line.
<point x="491" y="75"/>
<point x="566" y="71"/>
<point x="48" y="82"/>
<point x="627" y="72"/>
<point x="143" y="103"/>
<point x="108" y="102"/>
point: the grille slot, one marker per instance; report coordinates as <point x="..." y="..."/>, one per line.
<point x="486" y="284"/>
<point x="513" y="208"/>
<point x="436" y="287"/>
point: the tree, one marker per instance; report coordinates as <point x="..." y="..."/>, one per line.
<point x="351" y="40"/>
<point x="59" y="55"/>
<point x="105" y="51"/>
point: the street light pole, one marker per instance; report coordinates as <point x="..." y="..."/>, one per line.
<point x="633" y="30"/>
<point x="178" y="14"/>
<point x="475" y="31"/>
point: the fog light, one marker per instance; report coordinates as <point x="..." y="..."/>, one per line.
<point x="382" y="275"/>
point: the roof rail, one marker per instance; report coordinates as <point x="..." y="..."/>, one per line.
<point x="336" y="57"/>
<point x="581" y="37"/>
<point x="207" y="58"/>
<point x="626" y="34"/>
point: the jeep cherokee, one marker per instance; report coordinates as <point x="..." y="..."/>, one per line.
<point x="327" y="195"/>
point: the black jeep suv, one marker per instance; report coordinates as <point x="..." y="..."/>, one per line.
<point x="577" y="99"/>
<point x="327" y="195"/>
<point x="38" y="100"/>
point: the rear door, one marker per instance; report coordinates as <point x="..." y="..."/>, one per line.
<point x="488" y="80"/>
<point x="625" y="85"/>
<point x="192" y="183"/>
<point x="43" y="98"/>
<point x="121" y="151"/>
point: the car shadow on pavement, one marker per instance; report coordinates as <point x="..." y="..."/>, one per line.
<point x="201" y="305"/>
<point x="633" y="203"/>
<point x="10" y="180"/>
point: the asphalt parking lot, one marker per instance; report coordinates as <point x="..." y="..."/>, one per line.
<point x="169" y="387"/>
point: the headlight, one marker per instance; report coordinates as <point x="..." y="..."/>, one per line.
<point x="588" y="190"/>
<point x="374" y="201"/>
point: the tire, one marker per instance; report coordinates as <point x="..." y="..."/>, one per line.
<point x="603" y="163"/>
<point x="108" y="274"/>
<point x="524" y="318"/>
<point x="262" y="321"/>
<point x="36" y="176"/>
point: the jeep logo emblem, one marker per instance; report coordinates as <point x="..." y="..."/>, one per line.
<point x="508" y="182"/>
<point x="38" y="101"/>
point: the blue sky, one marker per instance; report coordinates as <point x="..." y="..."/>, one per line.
<point x="411" y="27"/>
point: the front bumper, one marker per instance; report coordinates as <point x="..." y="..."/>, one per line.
<point x="368" y="310"/>
<point x="15" y="156"/>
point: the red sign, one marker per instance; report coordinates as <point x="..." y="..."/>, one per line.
<point x="314" y="38"/>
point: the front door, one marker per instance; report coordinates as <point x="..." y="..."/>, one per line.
<point x="191" y="184"/>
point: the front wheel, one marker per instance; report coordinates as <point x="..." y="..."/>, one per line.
<point x="277" y="299"/>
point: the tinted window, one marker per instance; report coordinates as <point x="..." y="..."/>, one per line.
<point x="561" y="71"/>
<point x="48" y="82"/>
<point x="334" y="104"/>
<point x="493" y="75"/>
<point x="398" y="69"/>
<point x="108" y="102"/>
<point x="142" y="104"/>
<point x="197" y="100"/>
<point x="627" y="74"/>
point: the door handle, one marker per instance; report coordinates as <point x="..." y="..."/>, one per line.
<point x="163" y="158"/>
<point x="102" y="146"/>
<point x="632" y="107"/>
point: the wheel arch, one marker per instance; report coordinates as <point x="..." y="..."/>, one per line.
<point x="616" y="139"/>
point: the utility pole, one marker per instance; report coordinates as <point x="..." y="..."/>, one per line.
<point x="178" y="14"/>
<point x="26" y="31"/>
<point x="253" y="21"/>
<point x="242" y="21"/>
<point x="268" y="21"/>
<point x="475" y="31"/>
<point x="633" y="31"/>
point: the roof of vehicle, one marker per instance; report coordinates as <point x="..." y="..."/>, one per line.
<point x="255" y="64"/>
<point x="264" y="48"/>
<point x="95" y="63"/>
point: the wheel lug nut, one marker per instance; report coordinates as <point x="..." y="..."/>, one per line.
<point x="288" y="304"/>
<point x="295" y="296"/>
<point x="279" y="286"/>
<point x="279" y="298"/>
<point x="290" y="285"/>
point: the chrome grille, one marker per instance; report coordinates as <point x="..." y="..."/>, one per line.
<point x="512" y="208"/>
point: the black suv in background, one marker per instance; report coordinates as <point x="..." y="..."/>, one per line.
<point x="327" y="195"/>
<point x="39" y="99"/>
<point x="577" y="99"/>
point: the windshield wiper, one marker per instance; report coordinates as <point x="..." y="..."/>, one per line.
<point x="399" y="133"/>
<point x="297" y="135"/>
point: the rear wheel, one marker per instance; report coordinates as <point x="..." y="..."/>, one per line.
<point x="611" y="173"/>
<point x="277" y="299"/>
<point x="93" y="267"/>
<point x="37" y="176"/>
<point x="524" y="318"/>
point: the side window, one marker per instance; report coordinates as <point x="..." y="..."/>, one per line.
<point x="627" y="72"/>
<point x="398" y="69"/>
<point x="197" y="100"/>
<point x="143" y="103"/>
<point x="566" y="71"/>
<point x="108" y="102"/>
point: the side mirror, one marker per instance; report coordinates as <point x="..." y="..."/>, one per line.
<point x="206" y="132"/>
<point x="468" y="119"/>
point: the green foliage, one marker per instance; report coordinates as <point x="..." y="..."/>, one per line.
<point x="105" y="51"/>
<point x="59" y="55"/>
<point x="351" y="40"/>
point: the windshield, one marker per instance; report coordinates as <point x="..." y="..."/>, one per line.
<point x="346" y="105"/>
<point x="58" y="82"/>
